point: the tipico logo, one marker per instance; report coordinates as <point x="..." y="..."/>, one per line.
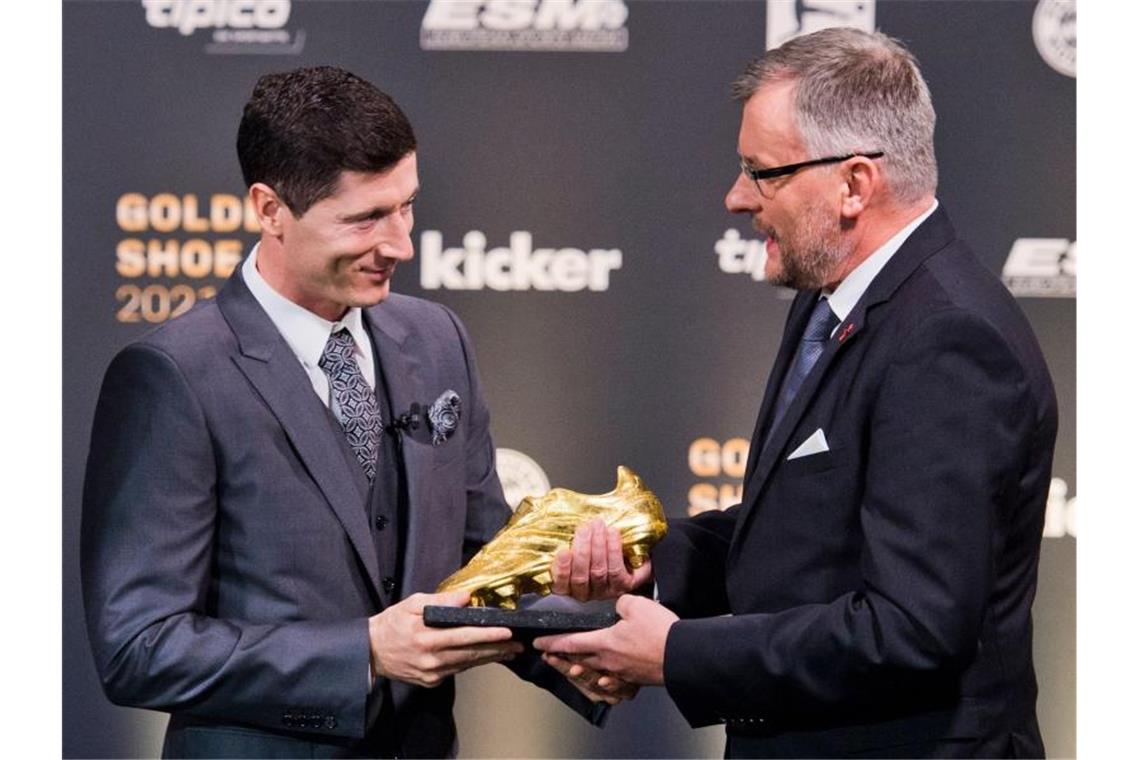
<point x="238" y="26"/>
<point x="1041" y="268"/>
<point x="735" y="255"/>
<point x="1055" y="34"/>
<point x="791" y="18"/>
<point x="517" y="266"/>
<point x="520" y="475"/>
<point x="564" y="25"/>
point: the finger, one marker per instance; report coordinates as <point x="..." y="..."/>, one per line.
<point x="469" y="656"/>
<point x="580" y="570"/>
<point x="451" y="667"/>
<point x="599" y="573"/>
<point x="641" y="575"/>
<point x="465" y="636"/>
<point x="615" y="562"/>
<point x="417" y="602"/>
<point x="609" y="684"/>
<point x="561" y="665"/>
<point x="572" y="643"/>
<point x="560" y="569"/>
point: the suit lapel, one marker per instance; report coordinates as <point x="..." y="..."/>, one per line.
<point x="793" y="328"/>
<point x="274" y="372"/>
<point x="403" y="375"/>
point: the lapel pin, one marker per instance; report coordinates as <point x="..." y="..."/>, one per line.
<point x="845" y="333"/>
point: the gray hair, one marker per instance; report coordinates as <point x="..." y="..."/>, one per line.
<point x="856" y="92"/>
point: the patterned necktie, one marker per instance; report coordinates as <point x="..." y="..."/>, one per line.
<point x="356" y="407"/>
<point x="820" y="324"/>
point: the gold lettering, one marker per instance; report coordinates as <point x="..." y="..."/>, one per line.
<point x="225" y="212"/>
<point x="197" y="258"/>
<point x="704" y="458"/>
<point x="251" y="223"/>
<point x="130" y="212"/>
<point x="191" y="222"/>
<point x="734" y="457"/>
<point x="702" y="498"/>
<point x="130" y="258"/>
<point x="162" y="257"/>
<point x="165" y="212"/>
<point x="227" y="255"/>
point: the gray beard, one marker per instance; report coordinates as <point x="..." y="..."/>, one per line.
<point x="809" y="257"/>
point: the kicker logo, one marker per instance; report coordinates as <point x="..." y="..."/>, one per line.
<point x="566" y="25"/>
<point x="518" y="266"/>
<point x="1041" y="268"/>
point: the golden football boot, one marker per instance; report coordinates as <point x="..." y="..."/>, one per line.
<point x="518" y="559"/>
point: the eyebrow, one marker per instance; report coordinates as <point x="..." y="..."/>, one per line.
<point x="378" y="212"/>
<point x="750" y="161"/>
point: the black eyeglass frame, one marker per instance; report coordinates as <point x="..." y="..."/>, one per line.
<point x="782" y="171"/>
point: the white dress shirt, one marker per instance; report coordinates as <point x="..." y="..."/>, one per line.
<point x="843" y="299"/>
<point x="306" y="333"/>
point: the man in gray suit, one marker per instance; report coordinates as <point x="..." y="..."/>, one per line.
<point x="277" y="477"/>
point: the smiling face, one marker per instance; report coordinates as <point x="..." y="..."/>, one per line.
<point x="799" y="213"/>
<point x="343" y="251"/>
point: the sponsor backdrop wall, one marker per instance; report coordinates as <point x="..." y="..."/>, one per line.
<point x="574" y="158"/>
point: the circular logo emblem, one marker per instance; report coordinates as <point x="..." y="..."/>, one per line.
<point x="1055" y="34"/>
<point x="520" y="475"/>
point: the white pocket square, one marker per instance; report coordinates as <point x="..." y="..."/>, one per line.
<point x="815" y="444"/>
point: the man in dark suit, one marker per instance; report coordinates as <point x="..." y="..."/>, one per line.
<point x="276" y="477"/>
<point x="871" y="594"/>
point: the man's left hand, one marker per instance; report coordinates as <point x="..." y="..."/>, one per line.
<point x="595" y="686"/>
<point x="633" y="649"/>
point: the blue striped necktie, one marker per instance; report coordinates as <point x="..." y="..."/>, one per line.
<point x="819" y="327"/>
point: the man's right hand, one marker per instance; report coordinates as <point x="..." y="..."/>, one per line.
<point x="404" y="649"/>
<point x="594" y="567"/>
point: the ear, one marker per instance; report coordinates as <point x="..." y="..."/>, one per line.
<point x="861" y="180"/>
<point x="269" y="207"/>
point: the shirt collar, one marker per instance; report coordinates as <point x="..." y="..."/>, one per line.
<point x="844" y="298"/>
<point x="305" y="332"/>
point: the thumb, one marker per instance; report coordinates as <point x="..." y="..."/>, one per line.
<point x="626" y="605"/>
<point x="642" y="574"/>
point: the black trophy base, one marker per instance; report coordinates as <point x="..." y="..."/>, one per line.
<point x="526" y="625"/>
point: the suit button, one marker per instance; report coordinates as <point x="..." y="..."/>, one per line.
<point x="389" y="584"/>
<point x="330" y="722"/>
<point x="381" y="522"/>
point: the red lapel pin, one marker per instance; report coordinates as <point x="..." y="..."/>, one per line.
<point x="845" y="333"/>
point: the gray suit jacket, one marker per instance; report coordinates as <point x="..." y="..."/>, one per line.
<point x="229" y="556"/>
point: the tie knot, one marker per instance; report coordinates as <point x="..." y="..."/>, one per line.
<point x="821" y="322"/>
<point x="338" y="349"/>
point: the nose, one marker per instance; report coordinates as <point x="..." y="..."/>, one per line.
<point x="396" y="240"/>
<point x="743" y="197"/>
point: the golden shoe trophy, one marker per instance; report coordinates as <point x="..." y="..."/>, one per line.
<point x="518" y="559"/>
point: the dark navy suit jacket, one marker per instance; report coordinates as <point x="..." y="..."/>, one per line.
<point x="229" y="557"/>
<point x="875" y="598"/>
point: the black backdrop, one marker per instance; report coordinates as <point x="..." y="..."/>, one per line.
<point x="603" y="131"/>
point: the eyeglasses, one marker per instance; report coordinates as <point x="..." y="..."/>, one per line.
<point x="759" y="175"/>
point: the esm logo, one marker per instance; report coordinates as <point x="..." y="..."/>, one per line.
<point x="1041" y="268"/>
<point x="566" y="25"/>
